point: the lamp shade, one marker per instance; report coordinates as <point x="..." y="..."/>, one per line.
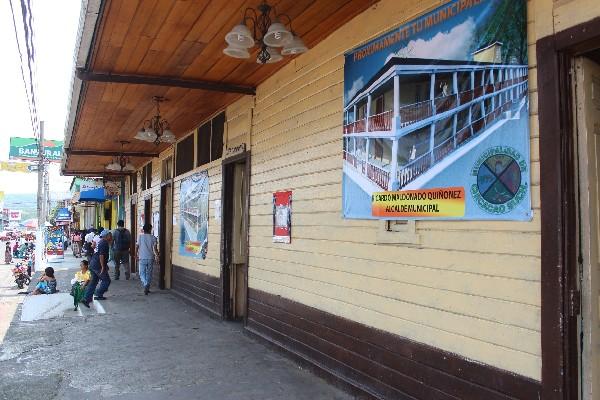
<point x="129" y="167"/>
<point x="236" y="52"/>
<point x="113" y="166"/>
<point x="294" y="46"/>
<point x="277" y="35"/>
<point x="151" y="136"/>
<point x="168" y="137"/>
<point x="141" y="135"/>
<point x="240" y="37"/>
<point x="275" y="55"/>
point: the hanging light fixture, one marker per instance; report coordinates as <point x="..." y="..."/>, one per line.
<point x="121" y="162"/>
<point x="156" y="129"/>
<point x="266" y="33"/>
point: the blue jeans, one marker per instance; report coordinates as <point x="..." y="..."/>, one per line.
<point x="104" y="280"/>
<point x="146" y="272"/>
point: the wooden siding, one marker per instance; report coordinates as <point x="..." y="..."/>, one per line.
<point x="380" y="363"/>
<point x="471" y="288"/>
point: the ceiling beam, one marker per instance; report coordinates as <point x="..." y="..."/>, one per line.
<point x="163" y="81"/>
<point x="96" y="173"/>
<point x="110" y="153"/>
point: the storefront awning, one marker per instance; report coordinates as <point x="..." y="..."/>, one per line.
<point x="95" y="195"/>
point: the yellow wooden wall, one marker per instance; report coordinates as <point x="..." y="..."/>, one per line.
<point x="472" y="288"/>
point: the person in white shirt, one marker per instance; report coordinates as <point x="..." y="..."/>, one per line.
<point x="87" y="246"/>
<point x="147" y="253"/>
<point x="97" y="239"/>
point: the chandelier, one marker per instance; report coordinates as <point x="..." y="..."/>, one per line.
<point x="121" y="162"/>
<point x="269" y="35"/>
<point x="156" y="129"/>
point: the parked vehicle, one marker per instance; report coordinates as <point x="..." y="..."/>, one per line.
<point x="20" y="275"/>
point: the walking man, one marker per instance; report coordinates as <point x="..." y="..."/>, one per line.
<point x="147" y="251"/>
<point x="121" y="243"/>
<point x="99" y="270"/>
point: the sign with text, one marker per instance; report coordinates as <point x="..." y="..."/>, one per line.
<point x="14" y="215"/>
<point x="27" y="149"/>
<point x="9" y="166"/>
<point x="440" y="105"/>
<point x="431" y="203"/>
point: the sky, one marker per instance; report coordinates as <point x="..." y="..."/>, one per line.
<point x="449" y="40"/>
<point x="55" y="29"/>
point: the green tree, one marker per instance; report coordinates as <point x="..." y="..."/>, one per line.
<point x="506" y="24"/>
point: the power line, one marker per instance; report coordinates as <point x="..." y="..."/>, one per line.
<point x="29" y="44"/>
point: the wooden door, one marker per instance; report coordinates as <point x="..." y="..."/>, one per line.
<point x="234" y="237"/>
<point x="588" y="128"/>
<point x="165" y="236"/>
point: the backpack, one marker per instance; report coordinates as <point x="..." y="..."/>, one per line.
<point x="122" y="240"/>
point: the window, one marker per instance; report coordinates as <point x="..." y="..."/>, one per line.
<point x="184" y="159"/>
<point x="167" y="169"/>
<point x="210" y="140"/>
<point x="147" y="176"/>
<point x="133" y="183"/>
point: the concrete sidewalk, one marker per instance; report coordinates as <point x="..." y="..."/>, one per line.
<point x="145" y="347"/>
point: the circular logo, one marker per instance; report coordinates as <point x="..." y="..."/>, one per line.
<point x="499" y="174"/>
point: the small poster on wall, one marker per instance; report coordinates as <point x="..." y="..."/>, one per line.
<point x="193" y="215"/>
<point x="282" y="217"/>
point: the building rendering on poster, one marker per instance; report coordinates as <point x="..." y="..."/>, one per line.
<point x="436" y="117"/>
<point x="193" y="209"/>
<point x="282" y="217"/>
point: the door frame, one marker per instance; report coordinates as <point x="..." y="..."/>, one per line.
<point x="224" y="275"/>
<point x="163" y="232"/>
<point x="558" y="186"/>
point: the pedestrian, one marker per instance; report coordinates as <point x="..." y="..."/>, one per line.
<point x="99" y="270"/>
<point x="79" y="282"/>
<point x="121" y="245"/>
<point x="76" y="243"/>
<point x="7" y="254"/>
<point x="88" y="250"/>
<point x="147" y="251"/>
<point x="96" y="239"/>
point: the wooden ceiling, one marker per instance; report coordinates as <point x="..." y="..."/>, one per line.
<point x="181" y="39"/>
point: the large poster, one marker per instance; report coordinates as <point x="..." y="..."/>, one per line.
<point x="436" y="117"/>
<point x="54" y="243"/>
<point x="193" y="215"/>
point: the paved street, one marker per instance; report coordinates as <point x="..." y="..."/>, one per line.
<point x="140" y="347"/>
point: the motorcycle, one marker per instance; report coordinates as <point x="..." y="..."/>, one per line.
<point x="20" y="275"/>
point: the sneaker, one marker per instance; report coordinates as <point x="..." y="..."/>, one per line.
<point x="99" y="298"/>
<point x="85" y="303"/>
<point x="146" y="291"/>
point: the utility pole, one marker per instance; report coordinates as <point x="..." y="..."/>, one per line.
<point x="41" y="215"/>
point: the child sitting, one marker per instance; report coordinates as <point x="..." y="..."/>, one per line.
<point x="82" y="278"/>
<point x="47" y="283"/>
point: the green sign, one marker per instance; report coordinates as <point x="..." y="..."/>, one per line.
<point x="27" y="149"/>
